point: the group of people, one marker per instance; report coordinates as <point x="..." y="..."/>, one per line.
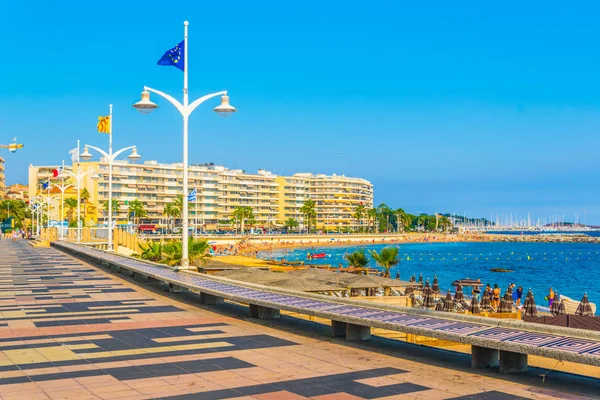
<point x="15" y="235"/>
<point x="495" y="294"/>
<point x="517" y="294"/>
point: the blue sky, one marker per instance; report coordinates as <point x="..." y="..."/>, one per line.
<point x="467" y="106"/>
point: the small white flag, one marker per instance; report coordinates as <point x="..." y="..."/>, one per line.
<point x="74" y="155"/>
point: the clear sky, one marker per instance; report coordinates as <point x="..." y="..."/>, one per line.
<point x="464" y="106"/>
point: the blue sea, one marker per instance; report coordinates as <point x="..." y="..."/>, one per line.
<point x="529" y="233"/>
<point x="569" y="268"/>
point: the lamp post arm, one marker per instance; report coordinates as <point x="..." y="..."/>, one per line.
<point x="62" y="188"/>
<point x="202" y="99"/>
<point x="86" y="172"/>
<point x="77" y="177"/>
<point x="105" y="154"/>
<point x="170" y="99"/>
<point x="66" y="171"/>
<point x="114" y="156"/>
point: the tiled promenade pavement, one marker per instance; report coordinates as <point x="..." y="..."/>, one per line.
<point x="69" y="330"/>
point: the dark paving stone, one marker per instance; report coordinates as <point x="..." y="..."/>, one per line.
<point x="493" y="395"/>
<point x="133" y="372"/>
<point x="310" y="387"/>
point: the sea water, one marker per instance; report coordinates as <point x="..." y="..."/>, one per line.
<point x="569" y="268"/>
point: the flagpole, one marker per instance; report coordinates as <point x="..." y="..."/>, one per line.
<point x="184" y="239"/>
<point x="78" y="197"/>
<point x="62" y="203"/>
<point x="48" y="221"/>
<point x="196" y="212"/>
<point x="110" y="160"/>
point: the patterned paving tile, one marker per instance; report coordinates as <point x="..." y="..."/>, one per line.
<point x="69" y="330"/>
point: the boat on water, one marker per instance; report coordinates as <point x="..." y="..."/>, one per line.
<point x="312" y="256"/>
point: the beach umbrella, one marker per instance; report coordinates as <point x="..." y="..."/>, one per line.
<point x="555" y="306"/>
<point x="435" y="288"/>
<point x="408" y="291"/>
<point x="530" y="308"/>
<point x="412" y="278"/>
<point x="428" y="300"/>
<point x="474" y="308"/>
<point x="561" y="308"/>
<point x="584" y="308"/>
<point x="459" y="296"/>
<point x="506" y="304"/>
<point x="439" y="306"/>
<point x="427" y="287"/>
<point x="421" y="280"/>
<point x="486" y="304"/>
<point x="448" y="303"/>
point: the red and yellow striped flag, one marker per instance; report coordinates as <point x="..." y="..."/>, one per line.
<point x="104" y="124"/>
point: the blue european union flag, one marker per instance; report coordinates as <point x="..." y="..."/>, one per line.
<point x="173" y="57"/>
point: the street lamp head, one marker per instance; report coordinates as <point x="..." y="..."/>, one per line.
<point x="145" y="106"/>
<point x="86" y="154"/>
<point x="96" y="176"/>
<point x="225" y="109"/>
<point x="134" y="156"/>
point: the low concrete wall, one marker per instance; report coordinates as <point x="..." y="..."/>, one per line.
<point x="482" y="324"/>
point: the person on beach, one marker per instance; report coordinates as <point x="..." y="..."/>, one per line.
<point x="513" y="287"/>
<point x="519" y="293"/>
<point x="496" y="298"/>
<point x="550" y="297"/>
<point x="488" y="292"/>
<point x="476" y="292"/>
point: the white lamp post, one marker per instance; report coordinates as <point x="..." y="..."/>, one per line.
<point x="33" y="207"/>
<point x="62" y="189"/>
<point x="146" y="106"/>
<point x="46" y="200"/>
<point x="111" y="157"/>
<point x="78" y="177"/>
<point x="37" y="206"/>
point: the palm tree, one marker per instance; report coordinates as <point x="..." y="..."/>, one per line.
<point x="358" y="259"/>
<point x="384" y="217"/>
<point x="71" y="204"/>
<point x="151" y="251"/>
<point x="138" y="210"/>
<point x="445" y="223"/>
<point x="308" y="210"/>
<point x="402" y="220"/>
<point x="115" y="206"/>
<point x="291" y="223"/>
<point x="387" y="258"/>
<point x="372" y="215"/>
<point x="359" y="214"/>
<point x="197" y="252"/>
<point x="171" y="212"/>
<point x="243" y="214"/>
<point x="423" y="220"/>
<point x="84" y="196"/>
<point x="17" y="209"/>
<point x="178" y="204"/>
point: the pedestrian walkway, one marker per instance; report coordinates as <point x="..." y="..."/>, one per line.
<point x="71" y="331"/>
